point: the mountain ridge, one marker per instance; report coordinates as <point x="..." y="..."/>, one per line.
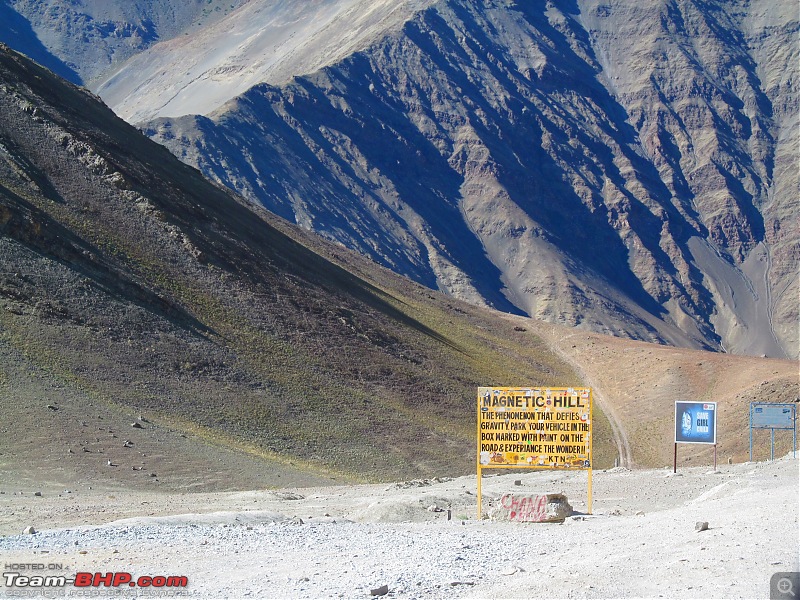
<point x="260" y="42"/>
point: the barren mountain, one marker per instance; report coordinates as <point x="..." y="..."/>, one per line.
<point x="618" y="166"/>
<point x="622" y="167"/>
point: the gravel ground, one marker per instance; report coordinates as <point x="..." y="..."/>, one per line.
<point x="345" y="542"/>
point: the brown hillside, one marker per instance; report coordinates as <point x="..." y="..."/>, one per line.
<point x="130" y="285"/>
<point x="637" y="384"/>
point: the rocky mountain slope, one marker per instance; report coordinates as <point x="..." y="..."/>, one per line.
<point x="130" y="285"/>
<point x="626" y="168"/>
<point x="622" y="167"/>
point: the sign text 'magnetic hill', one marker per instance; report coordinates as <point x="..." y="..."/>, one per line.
<point x="535" y="427"/>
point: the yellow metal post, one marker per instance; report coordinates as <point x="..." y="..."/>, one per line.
<point x="478" y="453"/>
<point x="480" y="495"/>
<point x="591" y="447"/>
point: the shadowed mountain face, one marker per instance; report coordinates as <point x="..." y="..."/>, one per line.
<point x="623" y="167"/>
<point x="128" y="276"/>
<point x="619" y="166"/>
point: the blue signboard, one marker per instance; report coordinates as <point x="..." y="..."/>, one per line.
<point x="696" y="422"/>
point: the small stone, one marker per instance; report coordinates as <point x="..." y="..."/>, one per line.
<point x="701" y="526"/>
<point x="136" y="425"/>
<point x="37" y="493"/>
<point x="640" y="513"/>
<point x="51" y="407"/>
<point x="518" y="482"/>
<point x="381" y="591"/>
<point x="29" y="530"/>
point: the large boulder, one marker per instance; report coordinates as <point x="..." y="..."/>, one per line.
<point x="531" y="508"/>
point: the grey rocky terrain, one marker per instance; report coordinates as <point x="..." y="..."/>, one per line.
<point x="640" y="541"/>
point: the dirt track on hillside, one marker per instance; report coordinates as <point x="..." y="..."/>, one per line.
<point x="636" y="385"/>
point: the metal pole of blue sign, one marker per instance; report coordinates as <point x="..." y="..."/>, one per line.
<point x="751" y="432"/>
<point x="675" y="459"/>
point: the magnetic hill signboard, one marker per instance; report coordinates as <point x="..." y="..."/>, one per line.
<point x="534" y="428"/>
<point x="773" y="416"/>
<point x="695" y="423"/>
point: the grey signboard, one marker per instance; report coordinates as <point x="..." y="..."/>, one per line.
<point x="772" y="416"/>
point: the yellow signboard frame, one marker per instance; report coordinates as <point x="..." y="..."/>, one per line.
<point x="534" y="428"/>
